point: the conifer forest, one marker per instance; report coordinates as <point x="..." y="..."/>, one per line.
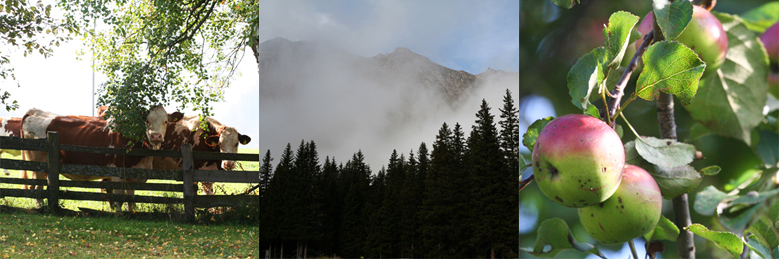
<point x="454" y="198"/>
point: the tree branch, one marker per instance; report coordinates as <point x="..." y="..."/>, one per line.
<point x="665" y="119"/>
<point x="619" y="89"/>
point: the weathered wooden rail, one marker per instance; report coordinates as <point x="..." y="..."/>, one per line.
<point x="188" y="176"/>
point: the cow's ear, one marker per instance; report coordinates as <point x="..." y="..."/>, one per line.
<point x="212" y="140"/>
<point x="176" y="116"/>
<point x="244" y="139"/>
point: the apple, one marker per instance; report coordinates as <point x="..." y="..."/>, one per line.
<point x="770" y="39"/>
<point x="632" y="211"/>
<point x="704" y="35"/>
<point x="578" y="160"/>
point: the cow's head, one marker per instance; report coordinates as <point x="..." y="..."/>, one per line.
<point x="228" y="140"/>
<point x="157" y="123"/>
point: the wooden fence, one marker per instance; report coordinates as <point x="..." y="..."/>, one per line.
<point x="188" y="175"/>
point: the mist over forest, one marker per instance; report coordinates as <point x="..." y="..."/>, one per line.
<point x="312" y="90"/>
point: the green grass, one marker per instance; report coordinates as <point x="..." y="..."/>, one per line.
<point x="32" y="235"/>
<point x="219" y="188"/>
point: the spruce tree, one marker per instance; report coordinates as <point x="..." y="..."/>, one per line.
<point x="266" y="173"/>
<point x="438" y="204"/>
<point x="355" y="185"/>
<point x="493" y="194"/>
<point x="509" y="132"/>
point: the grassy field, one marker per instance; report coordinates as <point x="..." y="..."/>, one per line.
<point x="32" y="235"/>
<point x="26" y="233"/>
<point x="219" y="188"/>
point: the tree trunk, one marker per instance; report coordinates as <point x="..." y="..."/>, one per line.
<point x="492" y="252"/>
<point x="305" y="250"/>
<point x="281" y="255"/>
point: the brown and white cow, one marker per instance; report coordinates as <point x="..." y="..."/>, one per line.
<point x="216" y="138"/>
<point x="93" y="131"/>
<point x="10" y="127"/>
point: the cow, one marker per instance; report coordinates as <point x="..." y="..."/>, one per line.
<point x="94" y="131"/>
<point x="10" y="127"/>
<point x="216" y="138"/>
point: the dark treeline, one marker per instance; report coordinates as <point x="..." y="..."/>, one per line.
<point x="457" y="200"/>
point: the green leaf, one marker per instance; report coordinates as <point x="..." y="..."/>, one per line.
<point x="768" y="148"/>
<point x="565" y="3"/>
<point x="592" y="111"/>
<point x="665" y="152"/>
<point x="522" y="165"/>
<point x="529" y="138"/>
<point x="761" y="250"/>
<point x="710" y="170"/>
<point x="617" y="35"/>
<point x="765" y="231"/>
<point x="725" y="240"/>
<point x="584" y="76"/>
<point x="745" y="179"/>
<point x="754" y="198"/>
<point x="707" y="200"/>
<point x="759" y="19"/>
<point x="664" y="230"/>
<point x="555" y="237"/>
<point x="675" y="181"/>
<point x="672" y="17"/>
<point x="736" y="221"/>
<point x="670" y="67"/>
<point x="730" y="102"/>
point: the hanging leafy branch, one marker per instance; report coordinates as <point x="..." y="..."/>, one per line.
<point x="159" y="52"/>
<point x="30" y="28"/>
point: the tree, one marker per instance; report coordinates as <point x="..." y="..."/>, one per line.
<point x="29" y="27"/>
<point x="509" y="131"/>
<point x="355" y="182"/>
<point x="266" y="173"/>
<point x="156" y="52"/>
<point x="725" y="102"/>
<point x="493" y="189"/>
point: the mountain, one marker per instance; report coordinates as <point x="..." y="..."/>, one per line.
<point x="285" y="66"/>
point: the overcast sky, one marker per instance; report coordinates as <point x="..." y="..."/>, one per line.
<point x="347" y="117"/>
<point x="461" y="35"/>
<point x="63" y="85"/>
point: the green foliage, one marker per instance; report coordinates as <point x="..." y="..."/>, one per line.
<point x="730" y="103"/>
<point x="665" y="152"/>
<point x="584" y="76"/>
<point x="618" y="34"/>
<point x="158" y="52"/>
<point x="759" y="19"/>
<point x="555" y="237"/>
<point x="675" y="181"/>
<point x="664" y="230"/>
<point x="29" y="27"/>
<point x="725" y="240"/>
<point x="565" y="3"/>
<point x="672" y="68"/>
<point x="529" y="138"/>
<point x="672" y="17"/>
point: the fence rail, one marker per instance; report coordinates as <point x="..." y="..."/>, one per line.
<point x="188" y="175"/>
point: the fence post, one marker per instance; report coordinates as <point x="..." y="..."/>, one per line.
<point x="189" y="175"/>
<point x="53" y="150"/>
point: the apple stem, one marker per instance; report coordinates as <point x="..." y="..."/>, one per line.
<point x="633" y="249"/>
<point x="631" y="127"/>
<point x="526" y="182"/>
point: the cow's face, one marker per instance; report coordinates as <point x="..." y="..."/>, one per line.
<point x="229" y="139"/>
<point x="157" y="124"/>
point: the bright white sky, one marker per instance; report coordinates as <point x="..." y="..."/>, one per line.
<point x="63" y="85"/>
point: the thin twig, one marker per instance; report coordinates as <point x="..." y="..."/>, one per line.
<point x="619" y="89"/>
<point x="633" y="249"/>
